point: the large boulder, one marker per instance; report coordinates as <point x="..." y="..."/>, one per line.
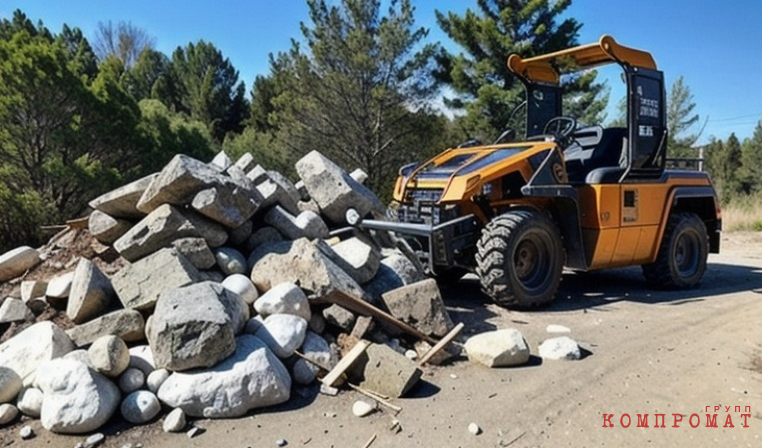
<point x="334" y="190"/>
<point x="127" y="324"/>
<point x="164" y="225"/>
<point x="15" y="262"/>
<point x="420" y="305"/>
<point x="140" y="284"/>
<point x="252" y="377"/>
<point x="227" y="204"/>
<point x="302" y="262"/>
<point x="195" y="326"/>
<point x="41" y="342"/>
<point x="91" y="292"/>
<point x="121" y="203"/>
<point x="499" y="348"/>
<point x="76" y="399"/>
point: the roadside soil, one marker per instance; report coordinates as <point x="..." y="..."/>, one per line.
<point x="647" y="352"/>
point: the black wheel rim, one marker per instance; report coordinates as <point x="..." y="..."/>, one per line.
<point x="687" y="254"/>
<point x="531" y="261"/>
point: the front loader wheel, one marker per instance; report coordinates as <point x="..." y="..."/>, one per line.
<point x="520" y="258"/>
<point x="681" y="261"/>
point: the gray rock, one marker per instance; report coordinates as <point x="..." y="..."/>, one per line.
<point x="317" y="323"/>
<point x="359" y="259"/>
<point x="80" y="355"/>
<point x="26" y="433"/>
<point x="17" y="261"/>
<point x="395" y="271"/>
<point x="286" y="184"/>
<point x="340" y="317"/>
<point x="284" y="298"/>
<point x="163" y="226"/>
<point x="93" y="440"/>
<point x="41" y="342"/>
<point x="60" y="286"/>
<point x="30" y="401"/>
<point x="311" y="206"/>
<point x="196" y="251"/>
<point x="156" y="379"/>
<point x="121" y="203"/>
<point x="109" y="355"/>
<point x="140" y="284"/>
<point x="10" y="384"/>
<point x="230" y="260"/>
<point x="283" y="333"/>
<point x="131" y="380"/>
<point x="304" y="196"/>
<point x="302" y="262"/>
<point x="77" y="399"/>
<point x="257" y="174"/>
<point x="562" y="347"/>
<point x="141" y="357"/>
<point x="174" y="421"/>
<point x="33" y="289"/>
<point x="245" y="162"/>
<point x="241" y="234"/>
<point x="499" y="348"/>
<point x="262" y="236"/>
<point x="8" y="413"/>
<point x="361" y="408"/>
<point x="334" y="190"/>
<point x="241" y="285"/>
<point x="195" y="326"/>
<point x="127" y="324"/>
<point x="319" y="352"/>
<point x="14" y="310"/>
<point x="305" y="225"/>
<point x="107" y="229"/>
<point x="273" y="194"/>
<point x="91" y="292"/>
<point x="227" y="204"/>
<point x="140" y="407"/>
<point x="388" y="372"/>
<point x="251" y="378"/>
<point x="178" y="183"/>
<point x="221" y="161"/>
<point x="420" y="305"/>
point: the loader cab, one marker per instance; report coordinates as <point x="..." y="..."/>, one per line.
<point x="596" y="154"/>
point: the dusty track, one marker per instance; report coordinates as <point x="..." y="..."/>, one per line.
<point x="651" y="352"/>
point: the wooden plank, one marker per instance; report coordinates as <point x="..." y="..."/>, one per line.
<point x="362" y="307"/>
<point x="441" y="344"/>
<point x="370" y="441"/>
<point x="345" y="362"/>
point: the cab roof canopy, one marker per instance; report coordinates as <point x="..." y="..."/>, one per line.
<point x="548" y="68"/>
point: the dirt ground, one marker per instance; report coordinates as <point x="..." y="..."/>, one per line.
<point x="648" y="352"/>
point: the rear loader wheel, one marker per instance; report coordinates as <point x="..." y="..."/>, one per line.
<point x="681" y="261"/>
<point x="520" y="258"/>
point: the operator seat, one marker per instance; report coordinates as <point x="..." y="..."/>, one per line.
<point x="599" y="157"/>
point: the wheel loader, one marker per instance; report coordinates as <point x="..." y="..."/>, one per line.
<point x="585" y="197"/>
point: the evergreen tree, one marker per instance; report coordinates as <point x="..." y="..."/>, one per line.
<point x="486" y="90"/>
<point x="751" y="161"/>
<point x="732" y="185"/>
<point x="680" y="120"/>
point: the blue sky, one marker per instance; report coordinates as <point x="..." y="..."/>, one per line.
<point x="714" y="45"/>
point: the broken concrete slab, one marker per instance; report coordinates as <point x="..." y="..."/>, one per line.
<point x="60" y="286"/>
<point x="394" y="271"/>
<point x="41" y="342"/>
<point x="14" y="310"/>
<point x="340" y="317"/>
<point x="499" y="348"/>
<point x="107" y="229"/>
<point x="420" y="305"/>
<point x="274" y="194"/>
<point x="164" y="225"/>
<point x="17" y="261"/>
<point x="245" y="162"/>
<point x="227" y="204"/>
<point x="32" y="289"/>
<point x="257" y="174"/>
<point x="195" y="326"/>
<point x="388" y="372"/>
<point x="91" y="292"/>
<point x="140" y="284"/>
<point x="221" y="161"/>
<point x="304" y="263"/>
<point x="262" y="236"/>
<point x="334" y="190"/>
<point x="305" y="225"/>
<point x="360" y="260"/>
<point x="196" y="251"/>
<point x="127" y="324"/>
<point x="121" y="203"/>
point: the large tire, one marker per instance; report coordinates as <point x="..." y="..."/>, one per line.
<point x="520" y="258"/>
<point x="681" y="261"/>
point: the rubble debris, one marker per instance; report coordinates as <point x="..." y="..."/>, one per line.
<point x="14" y="310"/>
<point x="121" y="202"/>
<point x="127" y="324"/>
<point x="15" y="262"/>
<point x="388" y="372"/>
<point x="90" y="294"/>
<point x="174" y="421"/>
<point x="499" y="348"/>
<point x="562" y="347"/>
<point x="26" y="433"/>
<point x="59" y="286"/>
<point x="420" y="305"/>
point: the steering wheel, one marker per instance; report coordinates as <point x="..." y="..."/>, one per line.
<point x="561" y="128"/>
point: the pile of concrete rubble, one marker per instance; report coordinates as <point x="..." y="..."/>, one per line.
<point x="232" y="285"/>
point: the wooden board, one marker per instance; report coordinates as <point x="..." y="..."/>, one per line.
<point x="345" y="362"/>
